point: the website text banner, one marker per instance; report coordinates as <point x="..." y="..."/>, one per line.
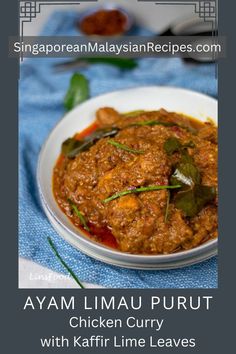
<point x="195" y="47"/>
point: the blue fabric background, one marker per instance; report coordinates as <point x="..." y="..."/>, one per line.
<point x="41" y="93"/>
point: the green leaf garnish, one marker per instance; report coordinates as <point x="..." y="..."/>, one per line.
<point x="133" y="113"/>
<point x="80" y="215"/>
<point x="124" y="147"/>
<point x="64" y="263"/>
<point x="103" y="133"/>
<point x="186" y="158"/>
<point x="138" y="190"/>
<point x="167" y="206"/>
<point x="173" y="144"/>
<point x="193" y="200"/>
<point x="152" y="123"/>
<point x="78" y="91"/>
<point x="193" y="196"/>
<point x="186" y="174"/>
<point x="72" y="147"/>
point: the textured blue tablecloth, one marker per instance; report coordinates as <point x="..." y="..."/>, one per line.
<point x="41" y="93"/>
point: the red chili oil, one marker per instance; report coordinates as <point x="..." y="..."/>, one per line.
<point x="103" y="235"/>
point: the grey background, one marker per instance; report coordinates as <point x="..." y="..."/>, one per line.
<point x="21" y="330"/>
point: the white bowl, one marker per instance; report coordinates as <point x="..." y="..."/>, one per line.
<point x="179" y="100"/>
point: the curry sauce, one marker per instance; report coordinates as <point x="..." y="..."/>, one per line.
<point x="143" y="182"/>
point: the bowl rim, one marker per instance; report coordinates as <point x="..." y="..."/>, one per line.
<point x="203" y="248"/>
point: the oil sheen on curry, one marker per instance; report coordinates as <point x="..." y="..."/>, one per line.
<point x="141" y="182"/>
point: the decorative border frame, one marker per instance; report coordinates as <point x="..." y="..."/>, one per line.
<point x="205" y="9"/>
<point x="28" y="10"/>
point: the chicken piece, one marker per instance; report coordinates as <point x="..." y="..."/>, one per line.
<point x="107" y="116"/>
<point x="204" y="226"/>
<point x="179" y="232"/>
<point x="206" y="160"/>
<point x="144" y="170"/>
<point x="209" y="132"/>
<point x="123" y="210"/>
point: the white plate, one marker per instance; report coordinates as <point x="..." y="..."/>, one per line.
<point x="188" y="102"/>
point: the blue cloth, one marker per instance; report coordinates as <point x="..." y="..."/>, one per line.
<point x="40" y="107"/>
